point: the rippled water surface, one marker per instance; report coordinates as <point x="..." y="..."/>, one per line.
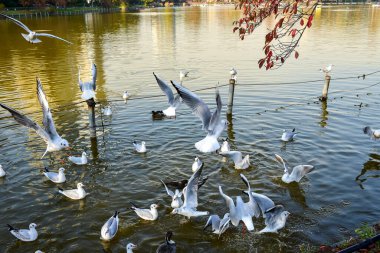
<point x="325" y="207"/>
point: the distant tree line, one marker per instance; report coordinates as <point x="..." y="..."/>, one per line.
<point x="68" y="3"/>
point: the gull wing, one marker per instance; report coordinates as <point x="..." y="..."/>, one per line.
<point x="195" y="103"/>
<point x="166" y="89"/>
<point x="251" y="207"/>
<point x="301" y="170"/>
<point x="262" y="201"/>
<point x="214" y="221"/>
<point x="72" y="194"/>
<point x="236" y="156"/>
<point x="52" y="36"/>
<point x="170" y="193"/>
<point x="47" y="117"/>
<point x="215" y="117"/>
<point x="21" y="234"/>
<point x="25" y="121"/>
<point x="283" y="161"/>
<point x="191" y="190"/>
<point x="17" y="22"/>
<point x="144" y="213"/>
<point x="272" y="216"/>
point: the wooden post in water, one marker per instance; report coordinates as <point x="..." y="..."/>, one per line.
<point x="91" y="116"/>
<point x="231" y="92"/>
<point x="325" y="90"/>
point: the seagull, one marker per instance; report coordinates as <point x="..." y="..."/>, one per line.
<point x="262" y="201"/>
<point x="140" y="148"/>
<point x="241" y="211"/>
<point x="49" y="133"/>
<point x="275" y="219"/>
<point x="125" y="96"/>
<point x="182" y="183"/>
<point x="176" y="196"/>
<point x="2" y="171"/>
<point x="225" y="146"/>
<point x="196" y="164"/>
<point x="233" y="74"/>
<point x="32" y="36"/>
<point x="25" y="235"/>
<point x="237" y="157"/>
<point x="130" y="246"/>
<point x="54" y="176"/>
<point x="219" y="226"/>
<point x="75" y="194"/>
<point x="372" y="132"/>
<point x="288" y="135"/>
<point x="168" y="246"/>
<point x="109" y="228"/>
<point x="190" y="192"/>
<point x="146" y="214"/>
<point x="183" y="74"/>
<point x="327" y="69"/>
<point x="212" y="123"/>
<point x="297" y="173"/>
<point x="107" y="111"/>
<point x="88" y="88"/>
<point x="174" y="101"/>
<point x="79" y="160"/>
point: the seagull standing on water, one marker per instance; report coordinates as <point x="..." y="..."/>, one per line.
<point x="2" y="171"/>
<point x="174" y="101"/>
<point x="75" y="194"/>
<point x="109" y="228"/>
<point x="190" y="192"/>
<point x="212" y="123"/>
<point x="25" y="235"/>
<point x="176" y="196"/>
<point x="375" y="133"/>
<point x="297" y="172"/>
<point x="79" y="160"/>
<point x="32" y="35"/>
<point x="146" y="214"/>
<point x="196" y="164"/>
<point x="275" y="219"/>
<point x="130" y="246"/>
<point x="237" y="157"/>
<point x="125" y="96"/>
<point x="168" y="246"/>
<point x="140" y="148"/>
<point x="107" y="111"/>
<point x="54" y="176"/>
<point x="49" y="134"/>
<point x="88" y="88"/>
<point x="219" y="226"/>
<point x="288" y="135"/>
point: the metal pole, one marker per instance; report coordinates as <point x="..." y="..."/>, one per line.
<point x="231" y="92"/>
<point x="325" y="90"/>
<point x="91" y="116"/>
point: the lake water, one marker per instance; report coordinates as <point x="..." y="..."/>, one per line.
<point x="325" y="207"/>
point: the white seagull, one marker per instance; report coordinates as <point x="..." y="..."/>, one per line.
<point x="219" y="226"/>
<point x="196" y="164"/>
<point x="48" y="133"/>
<point x="176" y="196"/>
<point x="25" y="235"/>
<point x="2" y="171"/>
<point x="125" y="96"/>
<point x="190" y="193"/>
<point x="140" y="148"/>
<point x="375" y="133"/>
<point x="233" y="74"/>
<point x="288" y="135"/>
<point x="174" y="101"/>
<point x="327" y="69"/>
<point x="130" y="246"/>
<point x="146" y="214"/>
<point x="109" y="228"/>
<point x="107" y="111"/>
<point x="88" y="88"/>
<point x="237" y="157"/>
<point x="297" y="172"/>
<point x="212" y="123"/>
<point x="32" y="35"/>
<point x="54" y="176"/>
<point x="275" y="219"/>
<point x="168" y="246"/>
<point x="75" y="194"/>
<point x="262" y="201"/>
<point x="79" y="160"/>
<point x="225" y="146"/>
<point x="182" y="75"/>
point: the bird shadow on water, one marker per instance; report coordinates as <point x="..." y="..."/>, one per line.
<point x="372" y="165"/>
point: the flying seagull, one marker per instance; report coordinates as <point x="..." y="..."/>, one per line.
<point x="219" y="226"/>
<point x="297" y="172"/>
<point x="212" y="123"/>
<point x="88" y="88"/>
<point x="25" y="235"/>
<point x="49" y="133"/>
<point x="32" y="35"/>
<point x="275" y="219"/>
<point x="174" y="101"/>
<point x="109" y="228"/>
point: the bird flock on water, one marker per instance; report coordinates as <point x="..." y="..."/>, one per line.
<point x="183" y="194"/>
